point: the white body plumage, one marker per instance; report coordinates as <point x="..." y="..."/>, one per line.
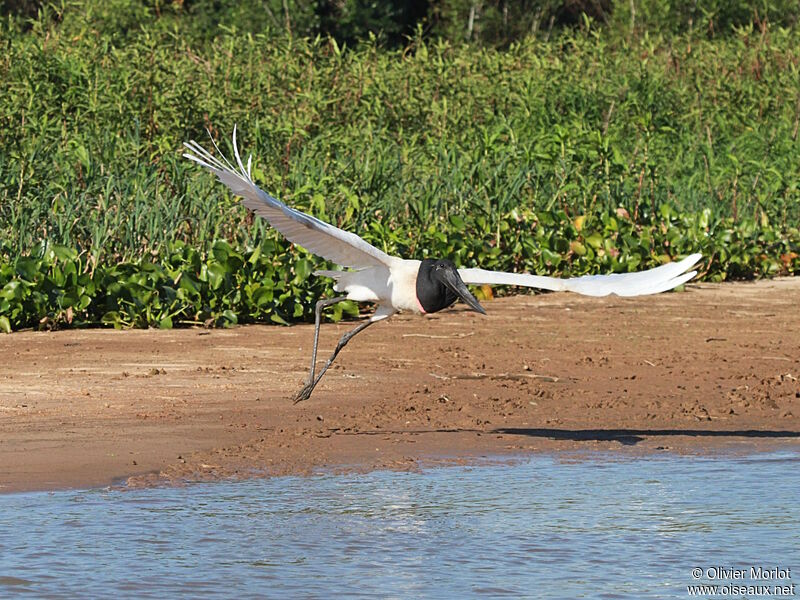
<point x="393" y="288"/>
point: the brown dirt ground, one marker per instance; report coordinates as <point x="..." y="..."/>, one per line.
<point x="714" y="367"/>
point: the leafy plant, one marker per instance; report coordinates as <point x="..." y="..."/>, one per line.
<point x="591" y="151"/>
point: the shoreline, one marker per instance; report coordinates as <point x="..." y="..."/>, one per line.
<point x="712" y="369"/>
<point x="734" y="447"/>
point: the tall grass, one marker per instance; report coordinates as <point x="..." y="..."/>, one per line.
<point x="399" y="145"/>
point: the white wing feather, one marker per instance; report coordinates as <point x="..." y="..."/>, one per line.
<point x="652" y="281"/>
<point x="325" y="240"/>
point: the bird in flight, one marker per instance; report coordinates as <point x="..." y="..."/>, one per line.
<point x="398" y="284"/>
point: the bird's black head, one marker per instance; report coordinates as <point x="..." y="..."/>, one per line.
<point x="439" y="285"/>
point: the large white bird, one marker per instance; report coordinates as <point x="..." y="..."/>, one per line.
<point x="398" y="284"/>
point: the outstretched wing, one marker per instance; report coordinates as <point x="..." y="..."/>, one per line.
<point x="325" y="240"/>
<point x="652" y="281"/>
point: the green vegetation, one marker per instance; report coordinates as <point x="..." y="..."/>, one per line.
<point x="589" y="150"/>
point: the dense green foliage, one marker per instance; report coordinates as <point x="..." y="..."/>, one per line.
<point x="489" y="22"/>
<point x="590" y="151"/>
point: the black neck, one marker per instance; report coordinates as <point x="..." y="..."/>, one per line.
<point x="432" y="294"/>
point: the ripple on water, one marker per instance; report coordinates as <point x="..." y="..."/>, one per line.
<point x="542" y="527"/>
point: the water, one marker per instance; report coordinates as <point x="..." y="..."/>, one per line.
<point x="543" y="527"/>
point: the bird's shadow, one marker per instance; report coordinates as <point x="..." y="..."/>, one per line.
<point x="626" y="437"/>
<point x="631" y="437"/>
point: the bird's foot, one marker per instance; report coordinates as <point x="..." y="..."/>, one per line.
<point x="304" y="393"/>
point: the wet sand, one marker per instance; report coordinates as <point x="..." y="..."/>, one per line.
<point x="713" y="368"/>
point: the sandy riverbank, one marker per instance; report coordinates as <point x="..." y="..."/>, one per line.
<point x="714" y="367"/>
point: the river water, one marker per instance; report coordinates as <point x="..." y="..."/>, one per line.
<point x="544" y="526"/>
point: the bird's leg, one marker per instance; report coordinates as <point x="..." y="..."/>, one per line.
<point x="321" y="304"/>
<point x="305" y="393"/>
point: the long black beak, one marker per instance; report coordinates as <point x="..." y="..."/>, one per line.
<point x="452" y="280"/>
